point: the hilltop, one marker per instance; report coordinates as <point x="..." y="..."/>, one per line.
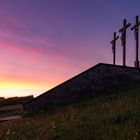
<point x="107" y="117"/>
<point x="99" y="79"/>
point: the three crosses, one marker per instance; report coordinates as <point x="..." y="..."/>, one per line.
<point x="123" y="40"/>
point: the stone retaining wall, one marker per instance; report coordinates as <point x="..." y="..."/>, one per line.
<point x="100" y="79"/>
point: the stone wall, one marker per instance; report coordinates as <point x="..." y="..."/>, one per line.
<point x="100" y="79"/>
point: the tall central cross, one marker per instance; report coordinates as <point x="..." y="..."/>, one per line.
<point x="136" y="35"/>
<point x="123" y="39"/>
<point x="113" y="42"/>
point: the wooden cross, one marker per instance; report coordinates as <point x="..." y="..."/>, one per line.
<point x="113" y="42"/>
<point x="123" y="39"/>
<point x="136" y="35"/>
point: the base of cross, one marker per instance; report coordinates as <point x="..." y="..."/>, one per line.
<point x="136" y="64"/>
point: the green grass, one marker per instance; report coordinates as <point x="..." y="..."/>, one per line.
<point x="110" y="117"/>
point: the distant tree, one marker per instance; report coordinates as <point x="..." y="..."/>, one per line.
<point x="15" y="100"/>
<point x="2" y="98"/>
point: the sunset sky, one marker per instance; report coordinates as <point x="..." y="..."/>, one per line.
<point x="45" y="42"/>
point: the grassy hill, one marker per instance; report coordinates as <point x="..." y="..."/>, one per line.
<point x="110" y="117"/>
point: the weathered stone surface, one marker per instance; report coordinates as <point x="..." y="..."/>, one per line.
<point x="99" y="79"/>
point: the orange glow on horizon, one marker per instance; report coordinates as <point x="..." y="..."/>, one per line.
<point x="14" y="88"/>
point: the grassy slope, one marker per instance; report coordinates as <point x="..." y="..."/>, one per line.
<point x="112" y="117"/>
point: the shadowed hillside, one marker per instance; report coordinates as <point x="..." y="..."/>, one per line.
<point x="99" y="79"/>
<point x="108" y="117"/>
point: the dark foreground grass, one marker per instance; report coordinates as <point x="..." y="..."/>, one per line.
<point x="110" y="117"/>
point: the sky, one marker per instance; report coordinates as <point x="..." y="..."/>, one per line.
<point x="45" y="42"/>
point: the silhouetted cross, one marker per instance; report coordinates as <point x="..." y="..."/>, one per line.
<point x="113" y="42"/>
<point x="136" y="35"/>
<point x="123" y="39"/>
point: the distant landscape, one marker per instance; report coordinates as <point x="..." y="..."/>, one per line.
<point x="14" y="100"/>
<point x="107" y="117"/>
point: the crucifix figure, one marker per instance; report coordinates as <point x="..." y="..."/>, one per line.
<point x="123" y="39"/>
<point x="136" y="35"/>
<point x="113" y="42"/>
